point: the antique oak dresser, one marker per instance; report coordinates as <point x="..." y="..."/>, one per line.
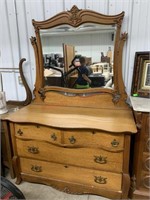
<point x="75" y="140"/>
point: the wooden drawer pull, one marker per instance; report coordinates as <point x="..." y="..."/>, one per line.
<point x="19" y="132"/>
<point x="54" y="137"/>
<point x="72" y="140"/>
<point x="114" y="143"/>
<point x="100" y="159"/>
<point x="36" y="168"/>
<point x="100" y="180"/>
<point x="33" y="150"/>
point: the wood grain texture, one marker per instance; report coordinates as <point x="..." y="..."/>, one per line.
<point x="74" y="117"/>
<point x="80" y="176"/>
<point x="76" y="156"/>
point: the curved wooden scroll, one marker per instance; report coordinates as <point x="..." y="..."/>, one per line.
<point x="28" y="91"/>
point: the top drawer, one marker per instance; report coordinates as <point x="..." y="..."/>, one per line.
<point x="70" y="138"/>
<point x="38" y="132"/>
<point x="96" y="139"/>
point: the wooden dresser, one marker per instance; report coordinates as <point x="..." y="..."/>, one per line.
<point x="141" y="154"/>
<point x="76" y="150"/>
<point x="75" y="140"/>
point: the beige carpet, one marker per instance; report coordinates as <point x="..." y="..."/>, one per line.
<point x="44" y="192"/>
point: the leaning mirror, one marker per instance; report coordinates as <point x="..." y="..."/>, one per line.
<point x="75" y="34"/>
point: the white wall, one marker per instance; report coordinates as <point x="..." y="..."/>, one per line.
<point x="89" y="45"/>
<point x="16" y="29"/>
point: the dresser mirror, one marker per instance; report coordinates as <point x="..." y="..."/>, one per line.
<point x="94" y="42"/>
<point x="78" y="32"/>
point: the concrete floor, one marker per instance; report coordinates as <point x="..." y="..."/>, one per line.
<point x="44" y="192"/>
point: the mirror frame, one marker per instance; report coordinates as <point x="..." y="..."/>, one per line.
<point x="75" y="17"/>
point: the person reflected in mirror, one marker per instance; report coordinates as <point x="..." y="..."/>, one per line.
<point x="83" y="80"/>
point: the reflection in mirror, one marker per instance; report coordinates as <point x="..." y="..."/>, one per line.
<point x="61" y="44"/>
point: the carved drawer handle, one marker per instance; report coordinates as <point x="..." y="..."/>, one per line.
<point x="100" y="180"/>
<point x="36" y="168"/>
<point x="33" y="150"/>
<point x="100" y="159"/>
<point x="19" y="132"/>
<point x="72" y="140"/>
<point x="114" y="143"/>
<point x="54" y="137"/>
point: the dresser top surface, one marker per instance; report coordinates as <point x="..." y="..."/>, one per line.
<point x="74" y="117"/>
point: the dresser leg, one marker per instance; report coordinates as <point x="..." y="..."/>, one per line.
<point x="132" y="187"/>
<point x="125" y="186"/>
<point x="17" y="170"/>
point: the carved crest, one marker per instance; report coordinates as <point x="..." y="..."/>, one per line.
<point x="75" y="17"/>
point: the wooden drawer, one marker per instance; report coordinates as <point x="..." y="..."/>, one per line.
<point x="84" y="157"/>
<point x="94" y="139"/>
<point x="38" y="132"/>
<point x="94" y="178"/>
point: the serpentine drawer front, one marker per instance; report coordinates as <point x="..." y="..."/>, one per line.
<point x="91" y="159"/>
<point x="83" y="157"/>
<point x="38" y="132"/>
<point x="68" y="173"/>
<point x="71" y="138"/>
<point x="96" y="139"/>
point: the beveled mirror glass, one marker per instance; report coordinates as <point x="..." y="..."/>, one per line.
<point x="85" y="33"/>
<point x="93" y="41"/>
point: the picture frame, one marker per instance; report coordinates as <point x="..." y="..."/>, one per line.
<point x="141" y="75"/>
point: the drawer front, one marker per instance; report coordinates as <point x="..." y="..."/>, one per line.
<point x="94" y="139"/>
<point x="84" y="157"/>
<point x="38" y="132"/>
<point x="99" y="179"/>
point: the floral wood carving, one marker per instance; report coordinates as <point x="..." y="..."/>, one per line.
<point x="33" y="40"/>
<point x="75" y="17"/>
<point x="124" y="36"/>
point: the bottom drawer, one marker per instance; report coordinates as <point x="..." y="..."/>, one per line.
<point x="95" y="178"/>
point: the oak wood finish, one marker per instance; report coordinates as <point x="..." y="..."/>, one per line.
<point x="73" y="146"/>
<point x="77" y="141"/>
